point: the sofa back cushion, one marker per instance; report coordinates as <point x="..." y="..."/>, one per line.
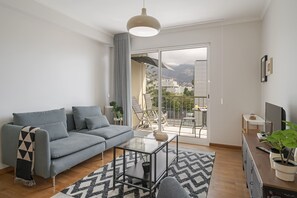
<point x="97" y="122"/>
<point x="80" y="113"/>
<point x="70" y="122"/>
<point x="40" y="118"/>
<point x="55" y="130"/>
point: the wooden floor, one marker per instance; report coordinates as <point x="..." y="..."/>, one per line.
<point x="227" y="177"/>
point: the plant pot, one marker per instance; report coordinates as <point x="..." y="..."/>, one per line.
<point x="146" y="167"/>
<point x="273" y="154"/>
<point x="285" y="172"/>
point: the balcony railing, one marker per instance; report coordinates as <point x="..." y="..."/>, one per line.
<point x="178" y="107"/>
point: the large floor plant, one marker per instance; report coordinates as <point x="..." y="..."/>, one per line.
<point x="282" y="140"/>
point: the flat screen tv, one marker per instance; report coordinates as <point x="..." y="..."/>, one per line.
<point x="274" y="117"/>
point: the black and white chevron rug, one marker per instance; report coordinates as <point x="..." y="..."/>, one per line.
<point x="193" y="171"/>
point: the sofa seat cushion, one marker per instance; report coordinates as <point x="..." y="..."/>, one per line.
<point x="108" y="132"/>
<point x="72" y="144"/>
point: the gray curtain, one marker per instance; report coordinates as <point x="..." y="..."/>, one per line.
<point x="122" y="74"/>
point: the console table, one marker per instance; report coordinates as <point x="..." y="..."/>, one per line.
<point x="260" y="177"/>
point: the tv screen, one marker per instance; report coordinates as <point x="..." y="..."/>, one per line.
<point x="274" y="116"/>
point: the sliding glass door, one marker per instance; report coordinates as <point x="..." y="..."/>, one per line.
<point x="172" y="89"/>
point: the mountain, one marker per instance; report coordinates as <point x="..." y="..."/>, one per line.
<point x="183" y="73"/>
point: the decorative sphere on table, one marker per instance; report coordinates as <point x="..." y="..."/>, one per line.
<point x="160" y="136"/>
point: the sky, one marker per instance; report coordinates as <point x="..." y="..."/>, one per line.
<point x="177" y="57"/>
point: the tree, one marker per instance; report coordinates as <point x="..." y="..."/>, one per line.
<point x="187" y="92"/>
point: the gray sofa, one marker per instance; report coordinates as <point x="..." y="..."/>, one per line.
<point x="63" y="141"/>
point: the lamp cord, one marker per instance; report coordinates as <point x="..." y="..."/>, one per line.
<point x="143" y="3"/>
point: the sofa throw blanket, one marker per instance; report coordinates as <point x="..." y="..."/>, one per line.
<point x="25" y="156"/>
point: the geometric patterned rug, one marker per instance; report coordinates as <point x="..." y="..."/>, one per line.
<point x="193" y="171"/>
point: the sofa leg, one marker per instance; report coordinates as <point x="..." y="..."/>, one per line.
<point x="54" y="181"/>
<point x="14" y="175"/>
<point x="102" y="156"/>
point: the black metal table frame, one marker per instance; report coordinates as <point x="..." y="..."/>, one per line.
<point x="150" y="187"/>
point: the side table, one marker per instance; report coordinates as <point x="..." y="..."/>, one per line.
<point x="247" y="122"/>
<point x="118" y="121"/>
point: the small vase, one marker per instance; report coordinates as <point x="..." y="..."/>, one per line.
<point x="146" y="167"/>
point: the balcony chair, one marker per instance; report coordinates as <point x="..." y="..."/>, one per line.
<point x="143" y="118"/>
<point x="152" y="112"/>
<point x="187" y="118"/>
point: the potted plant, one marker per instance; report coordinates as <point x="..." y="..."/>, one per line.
<point x="117" y="110"/>
<point x="282" y="140"/>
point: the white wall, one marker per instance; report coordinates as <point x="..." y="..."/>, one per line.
<point x="279" y="37"/>
<point x="138" y="80"/>
<point x="44" y="66"/>
<point x="234" y="72"/>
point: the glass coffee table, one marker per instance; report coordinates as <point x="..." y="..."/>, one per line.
<point x="159" y="159"/>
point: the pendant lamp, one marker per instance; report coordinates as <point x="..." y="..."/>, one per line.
<point x="143" y="25"/>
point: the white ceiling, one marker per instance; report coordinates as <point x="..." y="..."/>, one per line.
<point x="112" y="15"/>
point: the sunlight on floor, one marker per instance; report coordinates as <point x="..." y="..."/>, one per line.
<point x="185" y="130"/>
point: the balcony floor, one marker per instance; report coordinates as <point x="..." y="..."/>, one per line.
<point x="173" y="127"/>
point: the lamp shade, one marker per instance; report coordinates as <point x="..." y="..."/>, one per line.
<point x="143" y="25"/>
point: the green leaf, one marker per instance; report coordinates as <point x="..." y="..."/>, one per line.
<point x="291" y="138"/>
<point x="291" y="125"/>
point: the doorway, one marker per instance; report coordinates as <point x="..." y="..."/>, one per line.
<point x="176" y="81"/>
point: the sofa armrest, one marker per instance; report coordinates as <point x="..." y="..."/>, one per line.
<point x="42" y="154"/>
<point x="170" y="187"/>
<point x="10" y="136"/>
